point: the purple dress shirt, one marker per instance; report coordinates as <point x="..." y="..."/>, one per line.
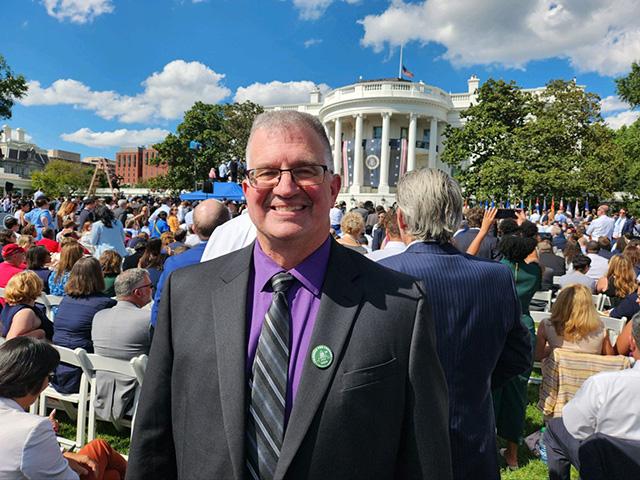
<point x="303" y="298"/>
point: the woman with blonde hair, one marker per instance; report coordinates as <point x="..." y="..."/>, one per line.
<point x="619" y="281"/>
<point x="67" y="212"/>
<point x="70" y="253"/>
<point x="574" y="324"/>
<point x="352" y="226"/>
<point x="26" y="241"/>
<point x="20" y="316"/>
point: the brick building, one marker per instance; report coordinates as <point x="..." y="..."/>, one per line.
<point x="134" y="165"/>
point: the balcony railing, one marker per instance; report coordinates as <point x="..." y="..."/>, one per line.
<point x="387" y="89"/>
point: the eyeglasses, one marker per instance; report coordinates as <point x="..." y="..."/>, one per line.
<point x="304" y="176"/>
<point x="144" y="286"/>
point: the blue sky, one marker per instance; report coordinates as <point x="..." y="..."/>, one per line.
<point x="111" y="73"/>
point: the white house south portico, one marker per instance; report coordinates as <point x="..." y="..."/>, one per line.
<point x="380" y="129"/>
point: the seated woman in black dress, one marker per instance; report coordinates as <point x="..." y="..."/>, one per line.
<point x="83" y="298"/>
<point x="20" y="316"/>
<point x="37" y="260"/>
<point x="619" y="281"/>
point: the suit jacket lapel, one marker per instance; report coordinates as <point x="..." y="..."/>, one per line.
<point x="340" y="300"/>
<point x="230" y="317"/>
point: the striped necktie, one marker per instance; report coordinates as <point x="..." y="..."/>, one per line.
<point x="268" y="385"/>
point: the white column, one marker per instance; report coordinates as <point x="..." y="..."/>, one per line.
<point x="383" y="186"/>
<point x="337" y="147"/>
<point x="357" y="156"/>
<point x="433" y="141"/>
<point x="411" y="150"/>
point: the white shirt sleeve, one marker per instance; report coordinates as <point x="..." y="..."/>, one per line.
<point x="580" y="415"/>
<point x="41" y="456"/>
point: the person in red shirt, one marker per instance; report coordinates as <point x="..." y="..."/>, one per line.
<point x="14" y="257"/>
<point x="48" y="240"/>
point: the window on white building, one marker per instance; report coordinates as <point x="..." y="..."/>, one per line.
<point x="377" y="132"/>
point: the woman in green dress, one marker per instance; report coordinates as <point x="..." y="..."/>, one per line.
<point x="111" y="264"/>
<point x="510" y="401"/>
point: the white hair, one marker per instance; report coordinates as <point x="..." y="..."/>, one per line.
<point x="431" y="204"/>
<point x="287" y="120"/>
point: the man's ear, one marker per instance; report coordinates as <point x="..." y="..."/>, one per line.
<point x="402" y="224"/>
<point x="633" y="344"/>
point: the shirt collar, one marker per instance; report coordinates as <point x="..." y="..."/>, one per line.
<point x="10" y="404"/>
<point x="310" y="272"/>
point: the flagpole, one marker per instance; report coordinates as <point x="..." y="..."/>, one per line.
<point x="400" y="65"/>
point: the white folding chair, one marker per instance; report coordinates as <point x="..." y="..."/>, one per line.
<point x="75" y="358"/>
<point x="544" y="297"/>
<point x="537" y="317"/>
<point x="598" y="301"/>
<point x="49" y="301"/>
<point x="98" y="363"/>
<point x="614" y="326"/>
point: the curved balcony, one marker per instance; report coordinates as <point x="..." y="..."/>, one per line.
<point x="387" y="90"/>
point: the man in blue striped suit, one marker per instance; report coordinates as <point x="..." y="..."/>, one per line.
<point x="480" y="340"/>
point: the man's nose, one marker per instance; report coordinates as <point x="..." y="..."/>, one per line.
<point x="286" y="185"/>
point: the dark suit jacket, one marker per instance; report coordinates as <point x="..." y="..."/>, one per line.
<point x="554" y="267"/>
<point x="378" y="411"/>
<point x="488" y="247"/>
<point x="481" y="343"/>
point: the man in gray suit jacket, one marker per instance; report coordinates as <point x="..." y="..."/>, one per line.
<point x="293" y="357"/>
<point x="122" y="332"/>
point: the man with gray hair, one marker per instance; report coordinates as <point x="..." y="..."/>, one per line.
<point x="122" y="332"/>
<point x="480" y="339"/>
<point x="294" y="357"/>
<point x="606" y="404"/>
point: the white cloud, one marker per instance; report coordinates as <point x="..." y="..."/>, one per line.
<point x="612" y="103"/>
<point x="274" y="93"/>
<point x="314" y="9"/>
<point x="77" y="11"/>
<point x="116" y="138"/>
<point x="312" y="42"/>
<point x="595" y="36"/>
<point x="167" y="94"/>
<point x="623" y="118"/>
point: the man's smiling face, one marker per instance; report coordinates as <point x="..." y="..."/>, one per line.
<point x="289" y="213"/>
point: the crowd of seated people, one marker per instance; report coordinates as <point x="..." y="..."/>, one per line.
<point x="100" y="251"/>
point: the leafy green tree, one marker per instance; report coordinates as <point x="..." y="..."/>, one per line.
<point x="11" y="88"/>
<point x="628" y="87"/>
<point x="222" y="130"/>
<point x="488" y="147"/>
<point x="62" y="178"/>
<point x="628" y="139"/>
<point x="552" y="143"/>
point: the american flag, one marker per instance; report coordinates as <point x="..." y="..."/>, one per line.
<point x="406" y="72"/>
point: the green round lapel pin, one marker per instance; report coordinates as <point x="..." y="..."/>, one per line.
<point x="322" y="356"/>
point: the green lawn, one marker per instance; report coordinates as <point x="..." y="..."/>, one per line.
<point x="531" y="468"/>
